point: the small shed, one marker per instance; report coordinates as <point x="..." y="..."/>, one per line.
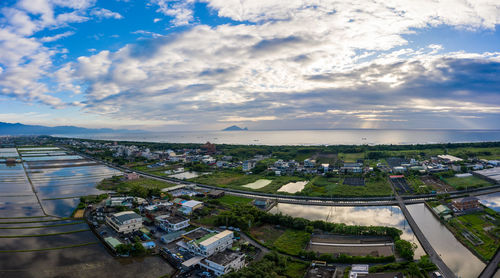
<point x="149" y="245"/>
<point x="216" y="194"/>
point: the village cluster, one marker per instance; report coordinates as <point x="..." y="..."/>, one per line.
<point x="163" y="226"/>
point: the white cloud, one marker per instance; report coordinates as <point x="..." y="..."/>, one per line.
<point x="306" y="59"/>
<point x="105" y="13"/>
<point x="249" y="119"/>
<point x="57" y="37"/>
<point x="180" y="10"/>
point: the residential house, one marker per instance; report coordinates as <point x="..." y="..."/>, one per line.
<point x="224" y="262"/>
<point x="466" y="203"/>
<point x="171" y="222"/>
<point x="190" y="206"/>
<point x="124" y="222"/>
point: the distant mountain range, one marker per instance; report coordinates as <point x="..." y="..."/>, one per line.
<point x="234" y="128"/>
<point x="21" y="129"/>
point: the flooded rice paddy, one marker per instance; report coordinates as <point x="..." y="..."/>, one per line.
<point x="187" y="175"/>
<point x="293" y="187"/>
<point x="257" y="184"/>
<point x="36" y="238"/>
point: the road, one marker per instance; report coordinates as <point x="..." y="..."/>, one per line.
<point x="492" y="266"/>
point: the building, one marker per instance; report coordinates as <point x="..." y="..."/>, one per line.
<point x="321" y="270"/>
<point x="352" y="168"/>
<point x="124" y="222"/>
<point x="309" y="163"/>
<point x="112" y="242"/>
<point x="443" y="211"/>
<point x="492" y="174"/>
<point x="190" y="206"/>
<point x="262" y="203"/>
<point x="149" y="245"/>
<point x="248" y="165"/>
<point x="210" y="243"/>
<point x="171" y="223"/>
<point x="466" y="203"/>
<point x="224" y="262"/>
<point x="131" y="176"/>
<point x="358" y="270"/>
<point x="216" y="193"/>
<point x="449" y="158"/>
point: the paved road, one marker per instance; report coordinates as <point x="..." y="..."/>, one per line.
<point x="491" y="268"/>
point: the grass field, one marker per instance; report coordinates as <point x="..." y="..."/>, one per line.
<point x="295" y="269"/>
<point x="467" y="182"/>
<point x="159" y="171"/>
<point x="266" y="234"/>
<point x="292" y="241"/>
<point x="236" y="180"/>
<point x="323" y="186"/>
<point x="228" y="200"/>
<point x="418" y="185"/>
<point x="476" y="223"/>
<point x="124" y="186"/>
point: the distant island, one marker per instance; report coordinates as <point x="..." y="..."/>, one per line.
<point x="234" y="128"/>
<point x="22" y="129"/>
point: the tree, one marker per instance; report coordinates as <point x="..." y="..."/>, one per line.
<point x="405" y="249"/>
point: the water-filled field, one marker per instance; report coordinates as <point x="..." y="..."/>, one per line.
<point x="36" y="238"/>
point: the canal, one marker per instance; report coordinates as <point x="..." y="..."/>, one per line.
<point x="458" y="258"/>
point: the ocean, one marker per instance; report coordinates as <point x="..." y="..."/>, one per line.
<point x="304" y="137"/>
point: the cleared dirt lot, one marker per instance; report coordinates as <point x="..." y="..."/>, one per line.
<point x="357" y="246"/>
<point x="87" y="261"/>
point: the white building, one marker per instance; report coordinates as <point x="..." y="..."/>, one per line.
<point x="224" y="262"/>
<point x="248" y="165"/>
<point x="211" y="243"/>
<point x="124" y="222"/>
<point x="191" y="205"/>
<point x="172" y="223"/>
<point x="358" y="269"/>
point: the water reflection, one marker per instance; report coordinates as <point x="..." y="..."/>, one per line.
<point x="389" y="216"/>
<point x="491" y="200"/>
<point x="458" y="258"/>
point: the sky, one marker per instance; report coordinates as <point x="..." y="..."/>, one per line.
<point x="265" y="64"/>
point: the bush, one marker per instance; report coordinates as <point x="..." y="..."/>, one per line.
<point x="405" y="249"/>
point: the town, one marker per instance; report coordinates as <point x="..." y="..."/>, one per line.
<point x="210" y="210"/>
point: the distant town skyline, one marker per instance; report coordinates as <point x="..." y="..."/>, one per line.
<point x="206" y="65"/>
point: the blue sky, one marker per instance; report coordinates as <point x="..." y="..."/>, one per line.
<point x="200" y="65"/>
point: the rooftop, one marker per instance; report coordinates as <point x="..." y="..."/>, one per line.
<point x="197" y="233"/>
<point x="191" y="203"/>
<point x="224" y="257"/>
<point x="214" y="238"/>
<point x="467" y="199"/>
<point x="123" y="216"/>
<point x="172" y="218"/>
<point x="320" y="272"/>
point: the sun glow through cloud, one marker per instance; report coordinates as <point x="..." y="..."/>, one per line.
<point x="267" y="64"/>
